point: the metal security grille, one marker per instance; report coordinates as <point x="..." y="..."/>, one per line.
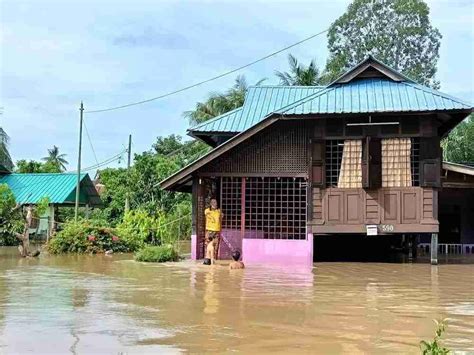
<point x="275" y="208"/>
<point x="231" y="202"/>
<point x="334" y="149"/>
<point x="415" y="161"/>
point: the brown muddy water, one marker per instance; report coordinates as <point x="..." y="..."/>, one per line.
<point x="100" y="304"/>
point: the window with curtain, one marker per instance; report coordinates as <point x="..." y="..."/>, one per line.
<point x="350" y="175"/>
<point x="396" y="162"/>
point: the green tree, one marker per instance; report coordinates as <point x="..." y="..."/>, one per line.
<point x="220" y="103"/>
<point x="5" y="158"/>
<point x="168" y="154"/>
<point x="33" y="166"/>
<point x="11" y="220"/>
<point x="28" y="166"/>
<point x="458" y="146"/>
<point x="397" y="32"/>
<point x="300" y="74"/>
<point x="54" y="159"/>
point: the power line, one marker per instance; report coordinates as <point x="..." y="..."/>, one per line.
<point x="210" y="79"/>
<point x="90" y="142"/>
<point x="105" y="162"/>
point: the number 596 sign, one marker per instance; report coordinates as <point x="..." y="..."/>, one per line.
<point x="386" y="228"/>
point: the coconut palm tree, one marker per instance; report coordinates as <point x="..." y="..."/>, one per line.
<point x="5" y="158"/>
<point x="300" y="74"/>
<point x="220" y="103"/>
<point x="56" y="159"/>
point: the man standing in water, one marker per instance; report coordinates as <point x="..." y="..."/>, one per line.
<point x="213" y="225"/>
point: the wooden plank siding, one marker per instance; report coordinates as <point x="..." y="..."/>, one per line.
<point x="407" y="209"/>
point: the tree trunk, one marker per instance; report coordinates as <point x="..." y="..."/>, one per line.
<point x="24" y="248"/>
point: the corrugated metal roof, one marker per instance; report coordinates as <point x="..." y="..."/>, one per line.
<point x="259" y="102"/>
<point x="222" y="123"/>
<point x="262" y="100"/>
<point x="374" y="95"/>
<point x="59" y="188"/>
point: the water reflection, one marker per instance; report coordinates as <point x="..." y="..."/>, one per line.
<point x="84" y="304"/>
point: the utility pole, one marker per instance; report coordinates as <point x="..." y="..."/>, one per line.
<point x="78" y="185"/>
<point x="129" y="151"/>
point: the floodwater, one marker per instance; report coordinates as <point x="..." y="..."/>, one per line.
<point x="101" y="304"/>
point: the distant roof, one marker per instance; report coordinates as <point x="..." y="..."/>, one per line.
<point x="259" y="102"/>
<point x="459" y="168"/>
<point x="373" y="95"/>
<point x="59" y="188"/>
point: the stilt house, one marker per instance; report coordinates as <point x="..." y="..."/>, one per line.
<point x="359" y="156"/>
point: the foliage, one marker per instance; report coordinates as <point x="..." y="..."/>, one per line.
<point x="458" y="146"/>
<point x="42" y="205"/>
<point x="159" y="253"/>
<point x="5" y="158"/>
<point x="32" y="166"/>
<point x="300" y="74"/>
<point x="55" y="159"/>
<point x="220" y="103"/>
<point x="176" y="224"/>
<point x="397" y="32"/>
<point x="167" y="155"/>
<point x="434" y="347"/>
<point x="86" y="236"/>
<point x="137" y="229"/>
<point x="11" y="220"/>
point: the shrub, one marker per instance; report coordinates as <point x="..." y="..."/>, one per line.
<point x="85" y="236"/>
<point x="159" y="254"/>
<point x="137" y="229"/>
<point x="434" y="347"/>
<point x="10" y="222"/>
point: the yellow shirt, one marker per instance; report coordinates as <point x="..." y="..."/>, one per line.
<point x="213" y="220"/>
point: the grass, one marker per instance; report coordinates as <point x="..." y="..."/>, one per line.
<point x="157" y="254"/>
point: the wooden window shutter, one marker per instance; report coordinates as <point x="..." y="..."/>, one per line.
<point x="317" y="162"/>
<point x="430" y="162"/>
<point x="371" y="163"/>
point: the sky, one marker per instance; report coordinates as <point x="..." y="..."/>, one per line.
<point x="108" y="53"/>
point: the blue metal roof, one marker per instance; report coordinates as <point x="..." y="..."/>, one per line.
<point x="262" y="100"/>
<point x="223" y="123"/>
<point x="59" y="188"/>
<point x="374" y="95"/>
<point x="259" y="102"/>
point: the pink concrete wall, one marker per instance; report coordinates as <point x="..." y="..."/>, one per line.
<point x="278" y="251"/>
<point x="194" y="246"/>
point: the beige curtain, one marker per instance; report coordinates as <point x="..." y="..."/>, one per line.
<point x="351" y="165"/>
<point x="396" y="168"/>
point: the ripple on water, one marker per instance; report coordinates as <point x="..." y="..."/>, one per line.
<point x="96" y="304"/>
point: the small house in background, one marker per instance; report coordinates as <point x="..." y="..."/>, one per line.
<point x="360" y="156"/>
<point x="59" y="188"/>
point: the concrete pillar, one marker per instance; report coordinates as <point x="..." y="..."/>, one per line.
<point x="434" y="249"/>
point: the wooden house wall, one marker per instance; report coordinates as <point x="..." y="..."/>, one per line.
<point x="290" y="148"/>
<point x="394" y="210"/>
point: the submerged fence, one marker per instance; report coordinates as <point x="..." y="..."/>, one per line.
<point x="454" y="248"/>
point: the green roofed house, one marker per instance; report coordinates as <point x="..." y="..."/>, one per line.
<point x="59" y="188"/>
<point x="357" y="161"/>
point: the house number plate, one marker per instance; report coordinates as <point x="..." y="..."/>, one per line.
<point x="387" y="228"/>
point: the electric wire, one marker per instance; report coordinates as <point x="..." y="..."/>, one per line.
<point x="90" y="141"/>
<point x="210" y="79"/>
